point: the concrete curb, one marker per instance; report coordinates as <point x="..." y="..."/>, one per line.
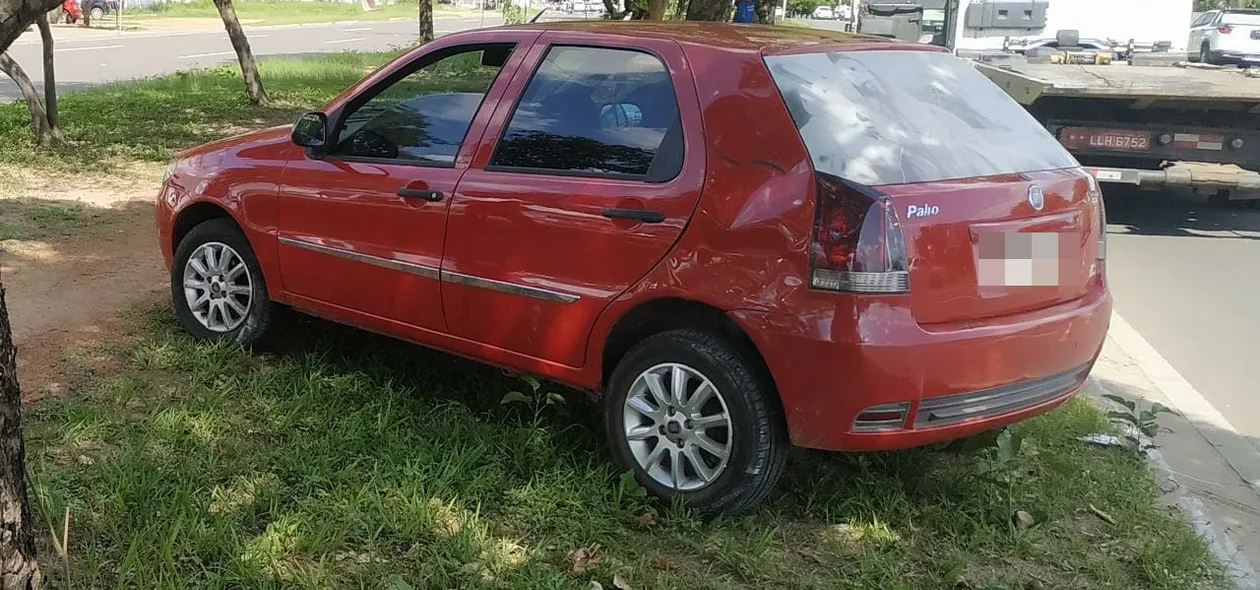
<point x="1237" y="567"/>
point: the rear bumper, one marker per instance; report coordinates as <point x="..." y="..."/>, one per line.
<point x="952" y="381"/>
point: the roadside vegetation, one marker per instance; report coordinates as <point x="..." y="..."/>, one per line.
<point x="335" y="458"/>
<point x="338" y="458"/>
<point x="285" y="12"/>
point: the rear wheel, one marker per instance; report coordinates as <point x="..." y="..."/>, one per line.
<point x="694" y="420"/>
<point x="1205" y="53"/>
<point x="97" y="13"/>
<point x="217" y="286"/>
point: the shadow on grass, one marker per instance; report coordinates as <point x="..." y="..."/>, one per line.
<point x="339" y="458"/>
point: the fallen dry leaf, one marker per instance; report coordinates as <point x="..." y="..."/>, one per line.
<point x="1103" y="515"/>
<point x="595" y="586"/>
<point x="647" y="519"/>
<point x="660" y="563"/>
<point x="620" y="583"/>
<point x="582" y="559"/>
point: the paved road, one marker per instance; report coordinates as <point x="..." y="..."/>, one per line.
<point x="1186" y="276"/>
<point x="104" y="57"/>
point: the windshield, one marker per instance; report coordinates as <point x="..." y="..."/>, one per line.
<point x="896" y="117"/>
<point x="1241" y="18"/>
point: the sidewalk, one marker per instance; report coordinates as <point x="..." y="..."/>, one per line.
<point x="1201" y="465"/>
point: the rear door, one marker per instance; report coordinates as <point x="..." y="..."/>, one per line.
<point x="997" y="217"/>
<point x="579" y="189"/>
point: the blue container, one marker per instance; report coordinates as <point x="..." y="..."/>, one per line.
<point x="744" y="12"/>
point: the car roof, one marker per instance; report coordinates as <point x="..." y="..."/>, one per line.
<point x="765" y="38"/>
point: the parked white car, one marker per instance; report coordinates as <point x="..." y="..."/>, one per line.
<point x="1226" y="36"/>
<point x="823" y="13"/>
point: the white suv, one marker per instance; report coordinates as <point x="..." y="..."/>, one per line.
<point x="1226" y="36"/>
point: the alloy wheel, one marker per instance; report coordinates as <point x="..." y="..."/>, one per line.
<point x="218" y="287"/>
<point x="678" y="427"/>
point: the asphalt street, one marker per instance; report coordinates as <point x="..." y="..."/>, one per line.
<point x="97" y="57"/>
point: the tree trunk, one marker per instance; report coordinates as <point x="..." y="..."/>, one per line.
<point x="249" y="67"/>
<point x="16" y="16"/>
<point x="656" y="9"/>
<point x="50" y="78"/>
<point x="39" y="117"/>
<point x="426" y="21"/>
<point x="765" y="11"/>
<point x="711" y="10"/>
<point x="18" y="568"/>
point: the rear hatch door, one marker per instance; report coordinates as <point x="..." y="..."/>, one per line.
<point x="997" y="217"/>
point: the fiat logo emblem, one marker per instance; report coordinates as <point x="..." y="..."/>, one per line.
<point x="1036" y="198"/>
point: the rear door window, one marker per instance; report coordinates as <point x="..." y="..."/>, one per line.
<point x="898" y="117"/>
<point x="591" y="111"/>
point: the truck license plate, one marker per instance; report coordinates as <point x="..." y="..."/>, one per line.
<point x="1084" y="138"/>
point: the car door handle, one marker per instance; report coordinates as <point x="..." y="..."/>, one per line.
<point x="644" y="215"/>
<point x="421" y="193"/>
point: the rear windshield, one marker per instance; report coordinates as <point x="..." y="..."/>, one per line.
<point x="1241" y="18"/>
<point x="896" y="117"/>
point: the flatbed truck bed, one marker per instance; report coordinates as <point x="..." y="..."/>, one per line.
<point x="1148" y="125"/>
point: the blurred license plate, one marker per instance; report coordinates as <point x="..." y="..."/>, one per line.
<point x="1104" y="139"/>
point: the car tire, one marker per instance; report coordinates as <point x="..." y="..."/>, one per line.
<point x="236" y="305"/>
<point x="1205" y="54"/>
<point x="97" y="13"/>
<point x="741" y="416"/>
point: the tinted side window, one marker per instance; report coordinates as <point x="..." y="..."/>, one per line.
<point x="1202" y="20"/>
<point x="595" y="111"/>
<point x="423" y="117"/>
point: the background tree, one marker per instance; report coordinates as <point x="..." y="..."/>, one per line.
<point x="17" y="15"/>
<point x="765" y="11"/>
<point x="240" y="43"/>
<point x="39" y="117"/>
<point x="50" y="78"/>
<point x="426" y="21"/>
<point x="18" y="568"/>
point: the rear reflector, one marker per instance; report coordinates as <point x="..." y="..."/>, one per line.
<point x="858" y="245"/>
<point x="882" y="418"/>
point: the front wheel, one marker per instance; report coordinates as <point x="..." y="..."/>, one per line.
<point x="97" y="13"/>
<point x="694" y="420"/>
<point x="217" y="286"/>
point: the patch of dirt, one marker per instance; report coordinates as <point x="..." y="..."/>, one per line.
<point x="66" y="290"/>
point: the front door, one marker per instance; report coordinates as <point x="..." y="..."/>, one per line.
<point x="362" y="227"/>
<point x="591" y="177"/>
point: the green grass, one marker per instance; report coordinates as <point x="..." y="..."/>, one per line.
<point x="282" y="12"/>
<point x="340" y="459"/>
<point x="151" y="120"/>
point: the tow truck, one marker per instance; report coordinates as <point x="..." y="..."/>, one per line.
<point x="1111" y="81"/>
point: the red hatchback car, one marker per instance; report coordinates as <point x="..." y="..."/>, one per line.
<point x="743" y="237"/>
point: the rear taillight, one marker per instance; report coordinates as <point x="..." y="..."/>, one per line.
<point x="1225" y="29"/>
<point x="1096" y="199"/>
<point x="858" y="245"/>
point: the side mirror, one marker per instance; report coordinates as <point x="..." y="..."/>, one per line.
<point x="311" y="131"/>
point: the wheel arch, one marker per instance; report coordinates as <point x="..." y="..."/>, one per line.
<point x="655" y="316"/>
<point x="196" y="214"/>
